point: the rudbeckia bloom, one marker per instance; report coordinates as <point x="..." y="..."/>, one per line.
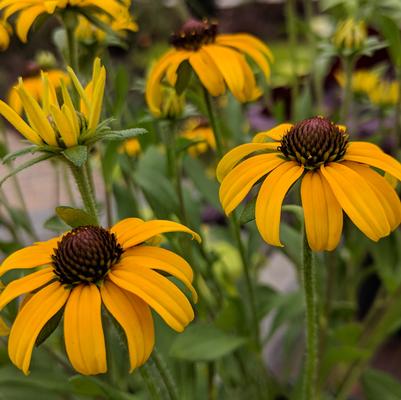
<point x="335" y="175"/>
<point x="34" y="85"/>
<point x="217" y="60"/>
<point x="54" y="124"/>
<point x="5" y="31"/>
<point x="91" y="266"/>
<point x="29" y="10"/>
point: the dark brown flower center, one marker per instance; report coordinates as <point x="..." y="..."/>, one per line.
<point x="85" y="255"/>
<point x="313" y="142"/>
<point x="194" y="34"/>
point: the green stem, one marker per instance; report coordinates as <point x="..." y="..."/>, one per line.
<point x="348" y="66"/>
<point x="70" y="24"/>
<point x="397" y="119"/>
<point x="165" y="375"/>
<point x="248" y="281"/>
<point x="67" y="185"/>
<point x="83" y="182"/>
<point x="291" y="24"/>
<point x="150" y="383"/>
<point x="214" y="124"/>
<point x="309" y="286"/>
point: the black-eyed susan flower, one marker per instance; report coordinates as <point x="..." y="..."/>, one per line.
<point x="29" y="10"/>
<point x="217" y="60"/>
<point x="201" y="133"/>
<point x="90" y="266"/>
<point x="59" y="125"/>
<point x="5" y="31"/>
<point x="335" y="175"/>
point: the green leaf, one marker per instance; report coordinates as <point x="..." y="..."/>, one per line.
<point x="77" y="155"/>
<point x="379" y="385"/>
<point x="75" y="217"/>
<point x="55" y="224"/>
<point x="123" y="134"/>
<point x="110" y="163"/>
<point x="201" y="342"/>
<point x="25" y="165"/>
<point x="391" y="32"/>
<point x="15" y="154"/>
<point x="49" y="327"/>
<point x="248" y="212"/>
<point x="184" y="73"/>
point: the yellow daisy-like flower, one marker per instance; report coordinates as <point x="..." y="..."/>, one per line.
<point x="5" y="31"/>
<point x="335" y="175"/>
<point x="217" y="60"/>
<point x="91" y="266"/>
<point x="132" y="147"/>
<point x="384" y="94"/>
<point x="202" y="134"/>
<point x="363" y="80"/>
<point x="29" y="10"/>
<point x="34" y="85"/>
<point x="55" y="124"/>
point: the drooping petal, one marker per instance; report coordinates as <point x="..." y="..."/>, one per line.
<point x="323" y="214"/>
<point x="254" y="53"/>
<point x="208" y="73"/>
<point x="270" y="199"/>
<point x="30" y="257"/>
<point x="235" y="155"/>
<point x="160" y="259"/>
<point x="240" y="180"/>
<point x="25" y="20"/>
<point x="83" y="331"/>
<point x="19" y="124"/>
<point x="370" y="154"/>
<point x="153" y="91"/>
<point x="141" y="232"/>
<point x="251" y="91"/>
<point x="387" y="196"/>
<point x="357" y="199"/>
<point x="275" y="133"/>
<point x="157" y="291"/>
<point x="26" y="284"/>
<point x="135" y="318"/>
<point x="229" y="64"/>
<point x="31" y="319"/>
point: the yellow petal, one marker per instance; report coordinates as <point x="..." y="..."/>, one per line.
<point x="157" y="291"/>
<point x="368" y="153"/>
<point x="25" y="20"/>
<point x="357" y="199"/>
<point x="275" y="133"/>
<point x="83" y="331"/>
<point x="132" y="234"/>
<point x="31" y="319"/>
<point x="387" y="196"/>
<point x="97" y="100"/>
<point x="63" y="126"/>
<point x="228" y="62"/>
<point x="26" y="284"/>
<point x="153" y="90"/>
<point x="69" y="105"/>
<point x="235" y="155"/>
<point x="135" y="318"/>
<point x="270" y="199"/>
<point x="323" y="214"/>
<point x="162" y="260"/>
<point x="19" y="124"/>
<point x="208" y="73"/>
<point x="30" y="257"/>
<point x="240" y="180"/>
<point x="78" y="87"/>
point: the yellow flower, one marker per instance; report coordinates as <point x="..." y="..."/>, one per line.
<point x="350" y="34"/>
<point x="131" y="146"/>
<point x="217" y="60"/>
<point x="199" y="133"/>
<point x="5" y="31"/>
<point x="91" y="266"/>
<point x="55" y="124"/>
<point x="30" y="10"/>
<point x="335" y="175"/>
<point x="363" y="80"/>
<point x="384" y="94"/>
<point x="35" y="87"/>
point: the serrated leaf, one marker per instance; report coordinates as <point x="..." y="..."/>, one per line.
<point x="75" y="217"/>
<point x="124" y="134"/>
<point x="201" y="342"/>
<point x="78" y="155"/>
<point x="25" y="165"/>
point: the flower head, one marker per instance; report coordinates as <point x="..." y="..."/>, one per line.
<point x="335" y="175"/>
<point x="217" y="60"/>
<point x="90" y="266"/>
<point x="60" y="125"/>
<point x="350" y="35"/>
<point x="30" y="10"/>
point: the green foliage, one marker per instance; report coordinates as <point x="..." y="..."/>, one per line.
<point x="74" y="217"/>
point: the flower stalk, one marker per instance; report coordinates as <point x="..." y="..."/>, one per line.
<point x="348" y="63"/>
<point x="165" y="374"/>
<point x="309" y="287"/>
